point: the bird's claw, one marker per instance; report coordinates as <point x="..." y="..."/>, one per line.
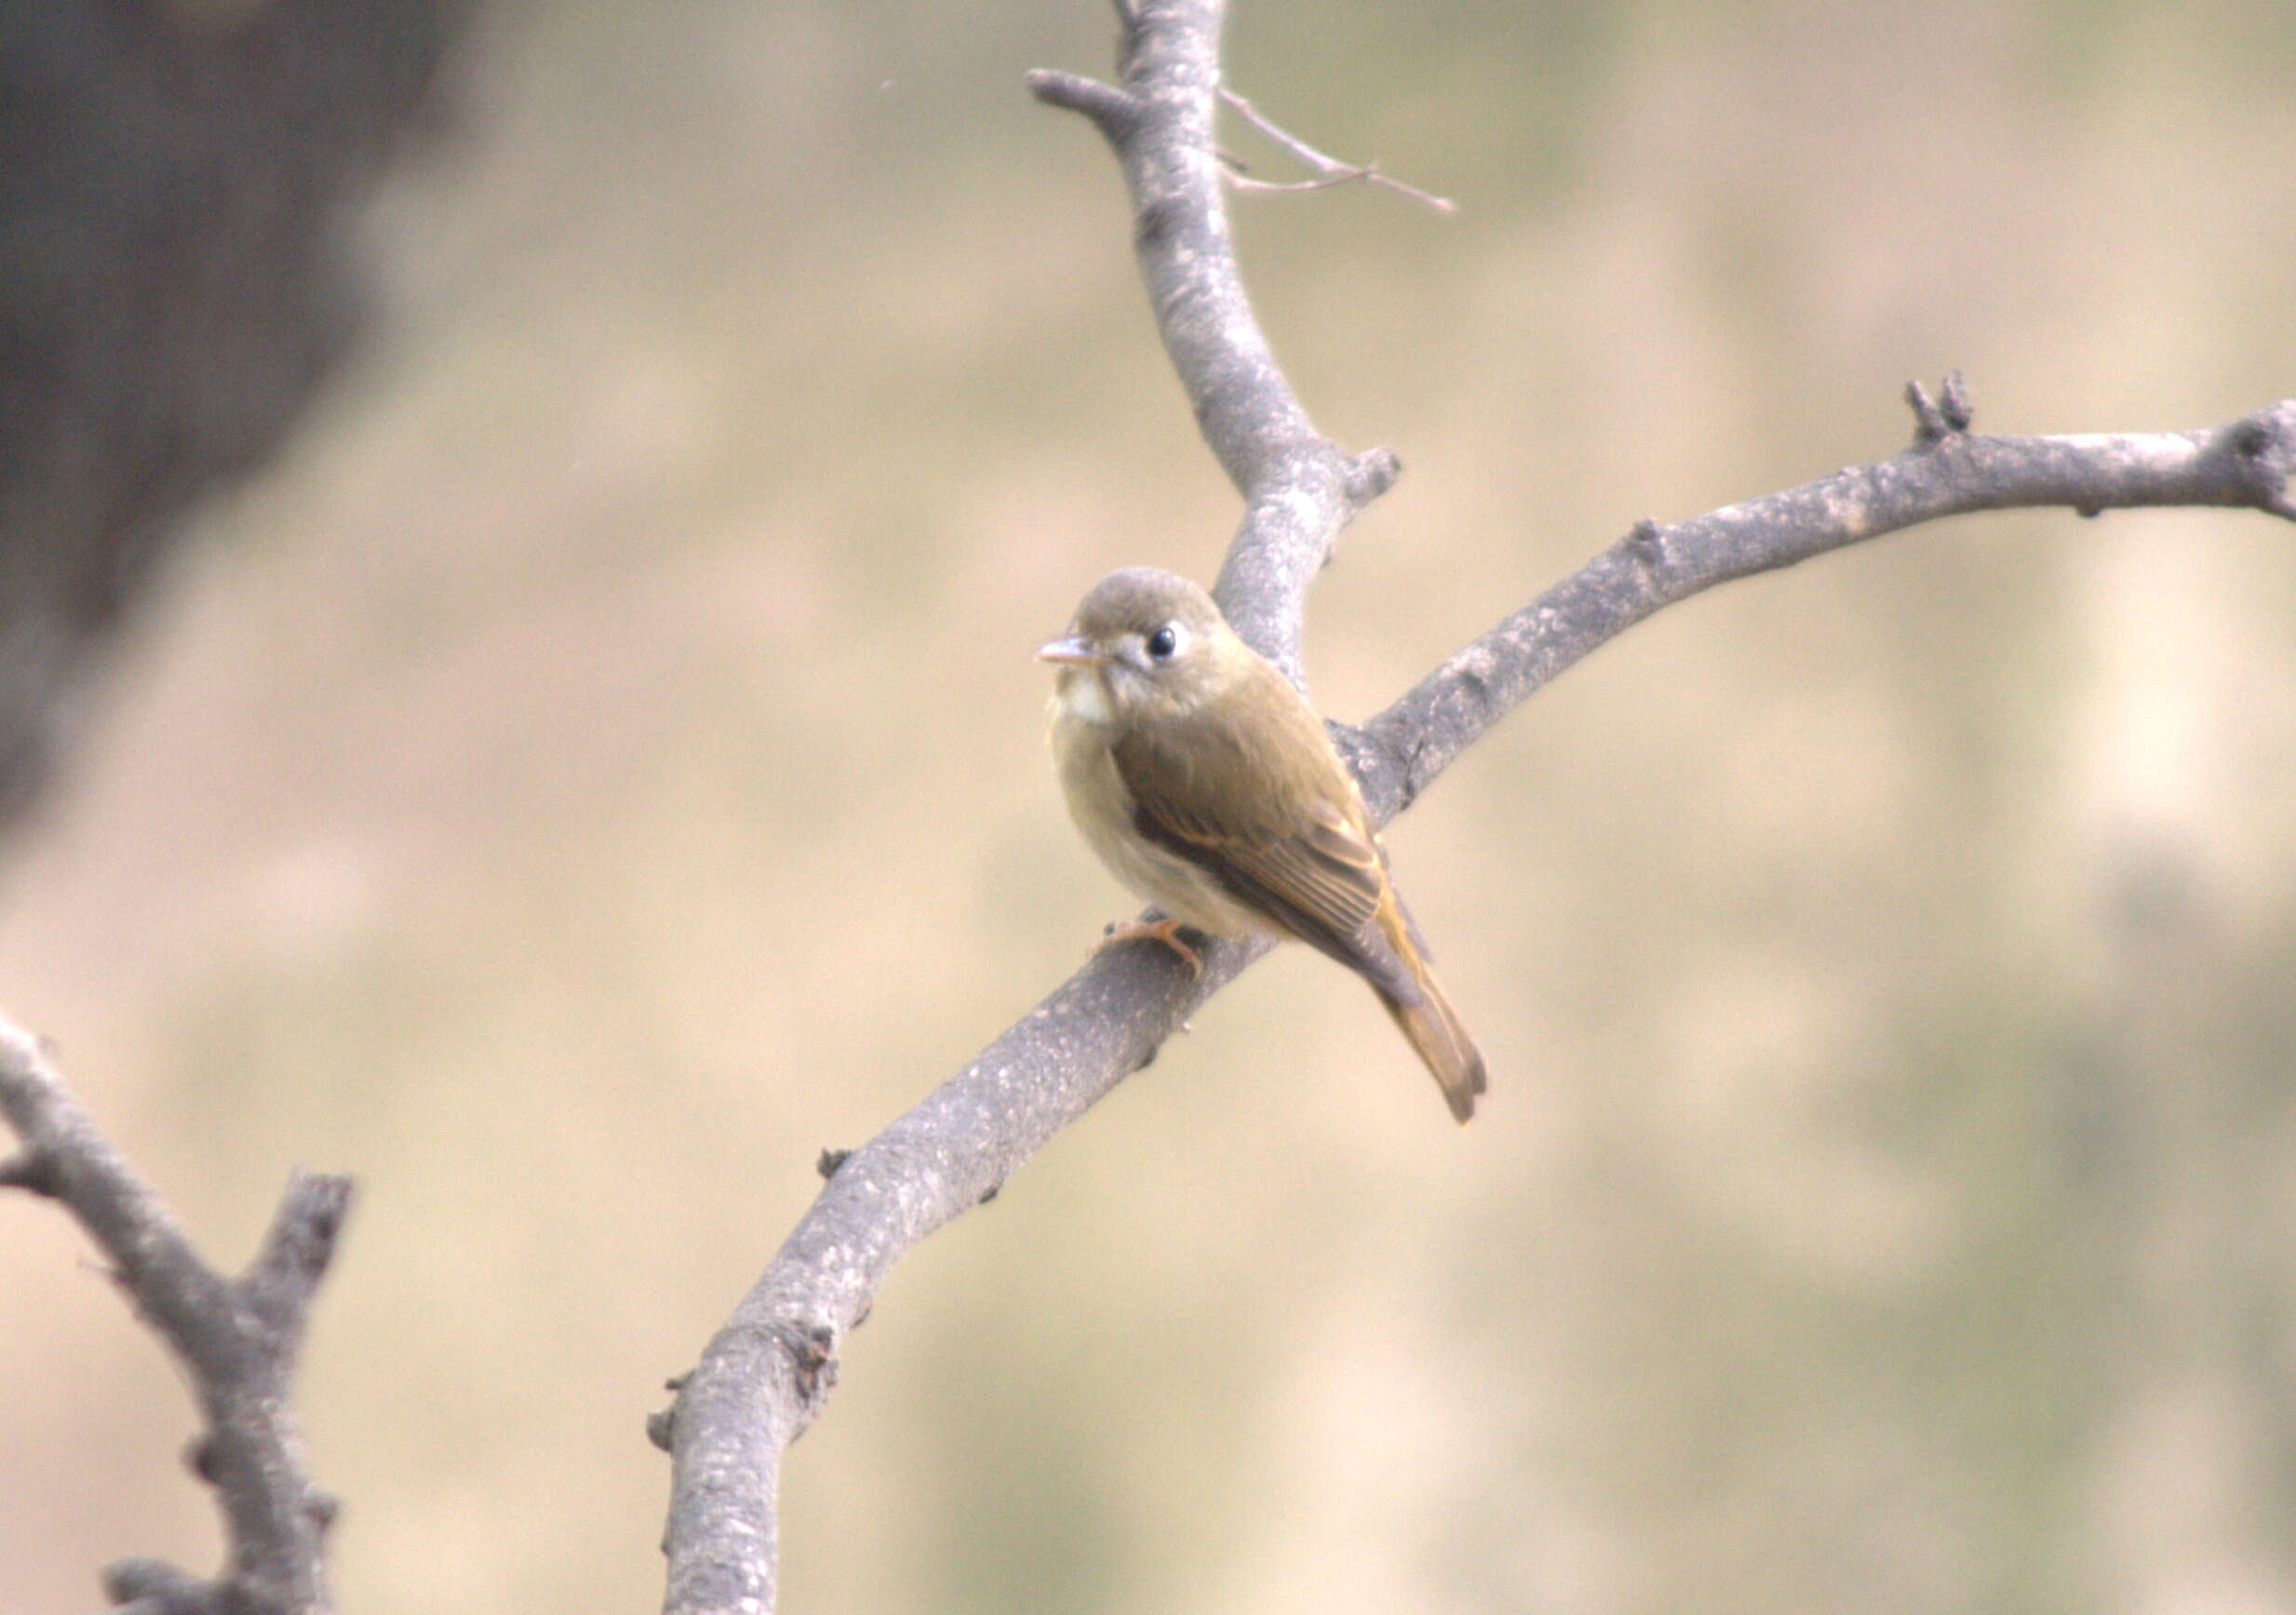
<point x="1164" y="931"/>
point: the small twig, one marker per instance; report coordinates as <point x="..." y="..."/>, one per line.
<point x="30" y="1172"/>
<point x="1111" y="111"/>
<point x="238" y="1340"/>
<point x="1947" y="415"/>
<point x="1238" y="180"/>
<point x="1332" y="171"/>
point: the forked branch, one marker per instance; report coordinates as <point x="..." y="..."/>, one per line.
<point x="765" y="1375"/>
<point x="237" y="1340"/>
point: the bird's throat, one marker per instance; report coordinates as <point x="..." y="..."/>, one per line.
<point x="1083" y="695"/>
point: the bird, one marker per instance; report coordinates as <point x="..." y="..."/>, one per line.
<point x="1207" y="783"/>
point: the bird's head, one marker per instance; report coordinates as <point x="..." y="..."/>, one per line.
<point x="1145" y="646"/>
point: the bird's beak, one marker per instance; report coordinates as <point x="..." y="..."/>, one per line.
<point x="1074" y="651"/>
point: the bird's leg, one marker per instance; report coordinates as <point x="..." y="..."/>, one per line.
<point x="1166" y="931"/>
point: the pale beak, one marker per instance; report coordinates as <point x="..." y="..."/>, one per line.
<point x="1074" y="651"/>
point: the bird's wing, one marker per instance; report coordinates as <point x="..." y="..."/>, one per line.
<point x="1305" y="857"/>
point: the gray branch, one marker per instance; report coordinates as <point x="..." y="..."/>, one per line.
<point x="1299" y="489"/>
<point x="764" y="1376"/>
<point x="238" y="1340"/>
<point x="1949" y="471"/>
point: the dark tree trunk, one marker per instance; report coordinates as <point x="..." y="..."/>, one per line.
<point x="173" y="285"/>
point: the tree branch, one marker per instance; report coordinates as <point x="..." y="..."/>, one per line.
<point x="1299" y="489"/>
<point x="238" y="1340"/>
<point x="2246" y="463"/>
<point x="764" y="1376"/>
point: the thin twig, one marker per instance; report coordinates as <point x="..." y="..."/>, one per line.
<point x="1331" y="169"/>
<point x="1946" y="415"/>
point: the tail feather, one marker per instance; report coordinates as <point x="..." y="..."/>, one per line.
<point x="1399" y="974"/>
<point x="1434" y="1029"/>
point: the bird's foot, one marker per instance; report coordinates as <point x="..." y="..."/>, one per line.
<point x="1164" y="931"/>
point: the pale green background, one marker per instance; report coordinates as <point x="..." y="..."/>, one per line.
<point x="603" y="765"/>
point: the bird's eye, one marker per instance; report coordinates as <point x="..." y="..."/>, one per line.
<point x="1164" y="641"/>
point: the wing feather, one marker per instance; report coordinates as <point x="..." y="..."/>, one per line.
<point x="1306" y="858"/>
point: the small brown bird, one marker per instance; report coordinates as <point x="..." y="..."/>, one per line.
<point x="1208" y="785"/>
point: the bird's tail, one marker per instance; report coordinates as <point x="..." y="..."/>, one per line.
<point x="1434" y="1026"/>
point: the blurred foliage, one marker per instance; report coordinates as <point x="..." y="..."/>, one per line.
<point x="604" y="765"/>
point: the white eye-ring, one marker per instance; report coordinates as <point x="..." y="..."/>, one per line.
<point x="1165" y="642"/>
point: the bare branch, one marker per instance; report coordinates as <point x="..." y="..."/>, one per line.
<point x="239" y="1342"/>
<point x="2246" y="465"/>
<point x="1332" y="171"/>
<point x="766" y="1374"/>
<point x="1299" y="490"/>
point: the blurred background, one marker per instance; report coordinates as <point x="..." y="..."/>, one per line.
<point x="598" y="762"/>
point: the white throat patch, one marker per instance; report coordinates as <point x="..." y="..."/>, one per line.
<point x="1083" y="695"/>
